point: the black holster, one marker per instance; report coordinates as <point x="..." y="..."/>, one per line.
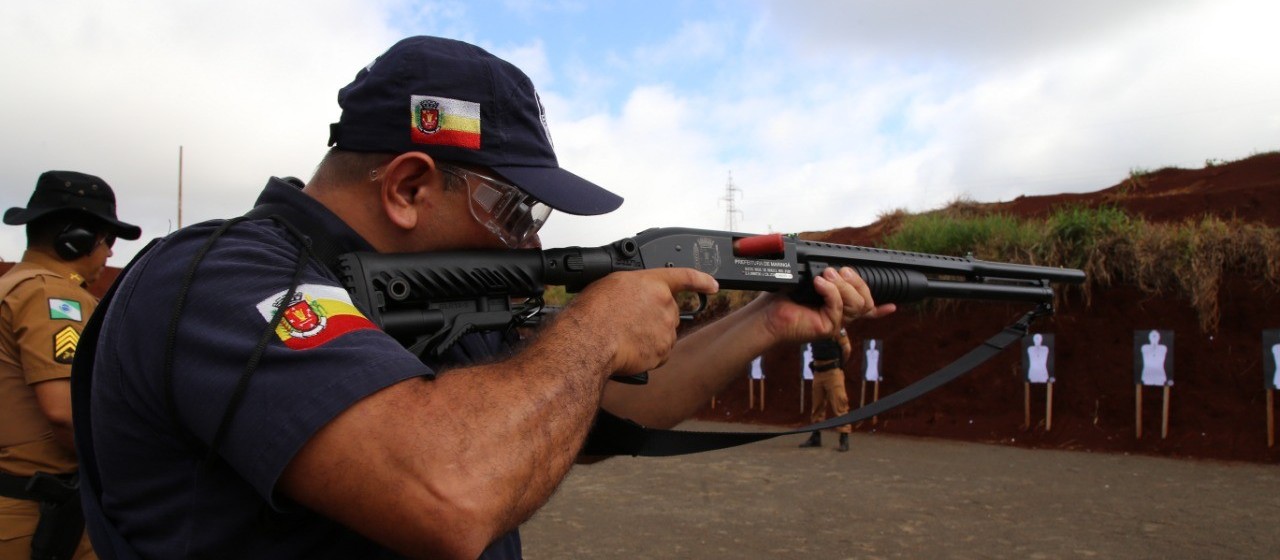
<point x="61" y="522"/>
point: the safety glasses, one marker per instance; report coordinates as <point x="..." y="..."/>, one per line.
<point x="502" y="208"/>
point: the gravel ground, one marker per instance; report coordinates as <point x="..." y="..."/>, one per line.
<point x="900" y="497"/>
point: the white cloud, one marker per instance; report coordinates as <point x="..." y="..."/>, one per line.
<point x="826" y="113"/>
<point x="989" y="101"/>
<point x="655" y="165"/>
<point x="113" y="89"/>
<point x="531" y="58"/>
<point x="692" y="42"/>
<point x="1076" y="120"/>
<point x="977" y="31"/>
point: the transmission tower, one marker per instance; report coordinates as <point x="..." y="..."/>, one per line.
<point x="731" y="211"/>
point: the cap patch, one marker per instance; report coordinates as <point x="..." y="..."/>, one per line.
<point x="68" y="309"/>
<point x="444" y="122"/>
<point x="314" y="316"/>
<point x="64" y="345"/>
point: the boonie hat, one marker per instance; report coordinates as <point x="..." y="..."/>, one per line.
<point x="457" y="102"/>
<point x="58" y="191"/>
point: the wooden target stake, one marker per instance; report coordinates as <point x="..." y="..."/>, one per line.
<point x="761" y="395"/>
<point x="751" y="392"/>
<point x="1271" y="418"/>
<point x="875" y="396"/>
<point x="1138" y="401"/>
<point x="1048" y="406"/>
<point x="1164" y="415"/>
<point x="1026" y="404"/>
<point x="862" y="397"/>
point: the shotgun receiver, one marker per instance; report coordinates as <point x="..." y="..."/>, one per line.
<point x="428" y="300"/>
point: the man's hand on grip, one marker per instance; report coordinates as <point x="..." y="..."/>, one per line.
<point x="637" y="313"/>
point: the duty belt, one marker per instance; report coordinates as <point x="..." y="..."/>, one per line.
<point x="13" y="486"/>
<point x="823" y="365"/>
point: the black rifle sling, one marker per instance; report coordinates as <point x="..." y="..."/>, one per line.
<point x="325" y="249"/>
<point x="615" y="436"/>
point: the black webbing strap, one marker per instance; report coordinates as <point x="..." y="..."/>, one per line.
<point x="615" y="436"/>
<point x="325" y="248"/>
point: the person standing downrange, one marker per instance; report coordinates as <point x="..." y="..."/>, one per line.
<point x="828" y="386"/>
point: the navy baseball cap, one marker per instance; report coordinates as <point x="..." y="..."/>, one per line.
<point x="457" y="102"/>
<point x="63" y="191"/>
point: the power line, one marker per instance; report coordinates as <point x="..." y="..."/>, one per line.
<point x="731" y="211"/>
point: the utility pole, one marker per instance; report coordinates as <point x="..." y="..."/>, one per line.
<point x="179" y="187"/>
<point x="731" y="211"/>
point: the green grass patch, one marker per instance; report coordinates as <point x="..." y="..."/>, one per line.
<point x="1186" y="260"/>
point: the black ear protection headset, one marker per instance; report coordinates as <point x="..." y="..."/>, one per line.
<point x="74" y="241"/>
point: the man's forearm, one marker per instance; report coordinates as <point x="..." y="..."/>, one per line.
<point x="700" y="366"/>
<point x="470" y="454"/>
<point x="54" y="398"/>
<point x="532" y="414"/>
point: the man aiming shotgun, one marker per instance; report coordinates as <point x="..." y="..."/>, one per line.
<point x="428" y="300"/>
<point x="233" y="402"/>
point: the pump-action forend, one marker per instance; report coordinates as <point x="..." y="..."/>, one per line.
<point x="428" y="300"/>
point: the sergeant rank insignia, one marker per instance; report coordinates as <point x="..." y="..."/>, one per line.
<point x="64" y="345"/>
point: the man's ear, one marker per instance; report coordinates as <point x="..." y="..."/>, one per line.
<point x="405" y="183"/>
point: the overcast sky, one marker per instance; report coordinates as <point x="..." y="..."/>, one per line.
<point x="825" y="113"/>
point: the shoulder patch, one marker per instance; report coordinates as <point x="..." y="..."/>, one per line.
<point x="314" y="316"/>
<point x="68" y="309"/>
<point x="64" y="344"/>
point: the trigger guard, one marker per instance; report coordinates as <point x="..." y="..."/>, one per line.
<point x="641" y="378"/>
<point x="702" y="304"/>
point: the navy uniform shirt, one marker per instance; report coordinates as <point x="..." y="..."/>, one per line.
<point x="157" y="488"/>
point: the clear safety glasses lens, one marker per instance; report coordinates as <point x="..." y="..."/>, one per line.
<point x="508" y="212"/>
